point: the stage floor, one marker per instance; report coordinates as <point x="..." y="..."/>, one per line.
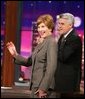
<point x="15" y="92"/>
<point x="23" y="92"/>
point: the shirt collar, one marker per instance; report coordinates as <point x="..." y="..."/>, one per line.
<point x="68" y="33"/>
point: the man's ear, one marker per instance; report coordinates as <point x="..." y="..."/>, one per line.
<point x="71" y="25"/>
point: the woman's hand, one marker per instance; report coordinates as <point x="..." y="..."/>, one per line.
<point x="41" y="93"/>
<point x="11" y="48"/>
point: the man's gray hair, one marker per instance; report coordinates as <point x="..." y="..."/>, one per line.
<point x="67" y="16"/>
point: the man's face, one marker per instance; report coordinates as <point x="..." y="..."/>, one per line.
<point x="63" y="26"/>
<point x="43" y="30"/>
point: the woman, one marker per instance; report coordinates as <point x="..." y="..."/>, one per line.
<point x="43" y="59"/>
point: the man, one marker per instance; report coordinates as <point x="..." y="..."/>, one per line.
<point x="68" y="72"/>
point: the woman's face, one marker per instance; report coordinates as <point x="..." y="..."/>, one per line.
<point x="43" y="30"/>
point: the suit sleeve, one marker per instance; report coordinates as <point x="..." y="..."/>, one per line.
<point x="69" y="48"/>
<point x="51" y="65"/>
<point x="20" y="60"/>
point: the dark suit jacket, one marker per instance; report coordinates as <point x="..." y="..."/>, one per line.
<point x="68" y="72"/>
<point x="44" y="63"/>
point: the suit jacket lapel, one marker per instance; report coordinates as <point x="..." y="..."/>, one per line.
<point x="69" y="35"/>
<point x="36" y="50"/>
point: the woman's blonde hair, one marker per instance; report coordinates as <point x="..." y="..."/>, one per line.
<point x="47" y="20"/>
